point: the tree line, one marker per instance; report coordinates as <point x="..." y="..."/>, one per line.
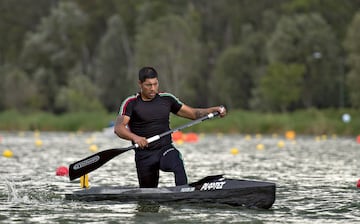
<point x="79" y="55"/>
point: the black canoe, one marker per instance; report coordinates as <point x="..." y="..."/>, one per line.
<point x="211" y="189"/>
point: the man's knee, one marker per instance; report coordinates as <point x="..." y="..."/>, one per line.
<point x="171" y="160"/>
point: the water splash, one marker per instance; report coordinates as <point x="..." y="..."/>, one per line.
<point x="23" y="191"/>
<point x="12" y="193"/>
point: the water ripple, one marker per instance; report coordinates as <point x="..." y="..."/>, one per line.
<point x="316" y="180"/>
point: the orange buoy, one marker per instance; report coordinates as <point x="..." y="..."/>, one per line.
<point x="191" y="137"/>
<point x="358" y="139"/>
<point x="290" y="135"/>
<point x="62" y="171"/>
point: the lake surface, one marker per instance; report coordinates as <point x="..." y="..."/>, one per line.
<point x="316" y="179"/>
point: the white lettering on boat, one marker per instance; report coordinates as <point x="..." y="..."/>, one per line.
<point x="187" y="189"/>
<point x="212" y="186"/>
<point x="87" y="162"/>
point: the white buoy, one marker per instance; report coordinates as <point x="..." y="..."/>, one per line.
<point x="346" y="118"/>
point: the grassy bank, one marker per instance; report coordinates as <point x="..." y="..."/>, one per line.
<point x="13" y="120"/>
<point x="308" y="122"/>
<point x="313" y="122"/>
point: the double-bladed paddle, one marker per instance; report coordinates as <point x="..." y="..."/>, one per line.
<point x="93" y="162"/>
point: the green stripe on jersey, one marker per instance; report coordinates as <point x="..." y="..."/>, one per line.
<point x="171" y="95"/>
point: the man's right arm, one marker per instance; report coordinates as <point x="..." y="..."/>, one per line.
<point x="122" y="131"/>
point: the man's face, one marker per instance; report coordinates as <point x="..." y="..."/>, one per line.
<point x="149" y="88"/>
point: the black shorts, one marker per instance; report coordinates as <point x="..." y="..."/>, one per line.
<point x="150" y="162"/>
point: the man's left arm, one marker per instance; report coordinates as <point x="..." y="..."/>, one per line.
<point x="195" y="113"/>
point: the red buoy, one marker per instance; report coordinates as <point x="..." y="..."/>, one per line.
<point x="358" y="184"/>
<point x="177" y="136"/>
<point x="62" y="171"/>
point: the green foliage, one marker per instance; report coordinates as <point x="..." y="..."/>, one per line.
<point x="232" y="78"/>
<point x="303" y="122"/>
<point x="307" y="39"/>
<point x="15" y="20"/>
<point x="12" y="120"/>
<point x="58" y="41"/>
<point x="18" y="92"/>
<point x="80" y="95"/>
<point x="45" y="82"/>
<point x="281" y="86"/>
<point x="197" y="46"/>
<point x="85" y="121"/>
<point x="337" y="14"/>
<point x="169" y="45"/>
<point x="52" y="51"/>
<point x="114" y="75"/>
<point x="237" y="70"/>
<point x="352" y="46"/>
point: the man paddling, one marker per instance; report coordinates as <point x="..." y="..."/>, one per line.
<point x="147" y="114"/>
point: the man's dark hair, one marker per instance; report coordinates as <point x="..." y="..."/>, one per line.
<point x="147" y="73"/>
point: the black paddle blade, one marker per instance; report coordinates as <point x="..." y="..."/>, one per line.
<point x="93" y="162"/>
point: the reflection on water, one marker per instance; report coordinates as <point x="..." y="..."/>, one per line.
<point x="143" y="206"/>
<point x="316" y="180"/>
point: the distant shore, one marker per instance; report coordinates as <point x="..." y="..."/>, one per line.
<point x="308" y="122"/>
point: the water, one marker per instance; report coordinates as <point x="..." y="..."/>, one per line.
<point x="316" y="180"/>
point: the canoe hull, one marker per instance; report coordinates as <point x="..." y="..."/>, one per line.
<point x="221" y="190"/>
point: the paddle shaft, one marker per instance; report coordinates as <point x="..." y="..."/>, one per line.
<point x="95" y="161"/>
<point x="157" y="137"/>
